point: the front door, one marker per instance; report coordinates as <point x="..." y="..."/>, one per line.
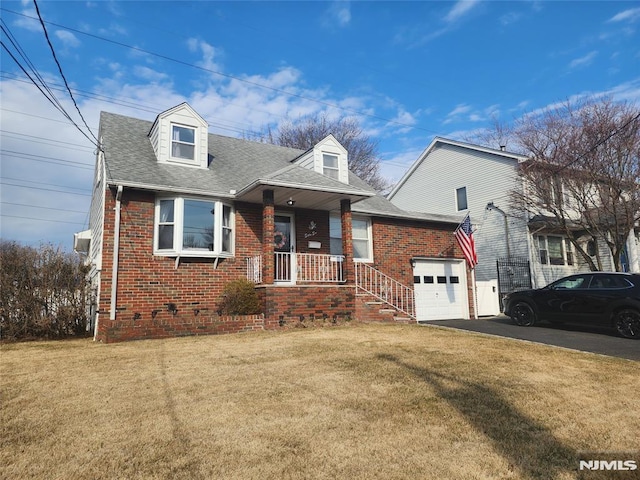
<point x="284" y="248"/>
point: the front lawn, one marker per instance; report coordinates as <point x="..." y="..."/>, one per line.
<point x="353" y="402"/>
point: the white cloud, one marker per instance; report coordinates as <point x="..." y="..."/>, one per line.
<point x="208" y="51"/>
<point x="148" y="74"/>
<point x="68" y="39"/>
<point x="584" y="60"/>
<point x="460" y="9"/>
<point x="31" y="24"/>
<point x="630" y="15"/>
<point x="510" y="18"/>
<point x="338" y="14"/>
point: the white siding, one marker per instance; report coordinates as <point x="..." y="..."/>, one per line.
<point x="313" y="159"/>
<point x="160" y="135"/>
<point x="488" y="178"/>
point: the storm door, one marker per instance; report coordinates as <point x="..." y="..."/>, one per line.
<point x="284" y="248"/>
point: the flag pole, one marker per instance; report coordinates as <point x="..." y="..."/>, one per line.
<point x="473" y="293"/>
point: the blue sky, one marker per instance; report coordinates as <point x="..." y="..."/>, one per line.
<point x="407" y="70"/>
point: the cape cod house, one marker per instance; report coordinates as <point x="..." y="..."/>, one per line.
<point x="177" y="213"/>
<point x="514" y="251"/>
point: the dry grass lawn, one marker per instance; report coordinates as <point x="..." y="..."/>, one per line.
<point x="354" y="402"/>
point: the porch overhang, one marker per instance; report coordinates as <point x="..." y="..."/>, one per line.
<point x="303" y="196"/>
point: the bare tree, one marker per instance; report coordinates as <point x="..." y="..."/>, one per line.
<point x="583" y="178"/>
<point x="363" y="150"/>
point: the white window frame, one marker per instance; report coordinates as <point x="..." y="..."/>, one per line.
<point x="369" y="238"/>
<point x="466" y="199"/>
<point x="188" y="161"/>
<point x="335" y="169"/>
<point x="178" y="249"/>
<point x="568" y="255"/>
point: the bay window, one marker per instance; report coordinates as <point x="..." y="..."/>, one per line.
<point x="193" y="227"/>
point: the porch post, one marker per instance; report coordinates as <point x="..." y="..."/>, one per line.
<point x="347" y="241"/>
<point x="267" y="237"/>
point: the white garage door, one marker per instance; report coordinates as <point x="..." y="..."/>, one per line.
<point x="440" y="288"/>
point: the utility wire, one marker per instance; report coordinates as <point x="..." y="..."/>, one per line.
<point x="46" y="208"/>
<point x="598" y="144"/>
<point x="233" y="77"/>
<point x="39" y="219"/>
<point x="55" y="57"/>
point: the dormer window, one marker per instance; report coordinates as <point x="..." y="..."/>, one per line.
<point x="330" y="166"/>
<point x="183" y="142"/>
<point x="180" y="136"/>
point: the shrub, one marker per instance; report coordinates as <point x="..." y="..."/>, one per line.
<point x="239" y="297"/>
<point x="43" y="292"/>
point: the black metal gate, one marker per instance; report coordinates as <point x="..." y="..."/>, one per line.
<point x="514" y="274"/>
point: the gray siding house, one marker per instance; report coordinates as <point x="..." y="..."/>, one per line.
<point x="455" y="178"/>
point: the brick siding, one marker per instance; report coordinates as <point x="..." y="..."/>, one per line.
<point x="149" y="284"/>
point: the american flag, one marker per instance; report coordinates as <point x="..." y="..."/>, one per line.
<point x="464" y="236"/>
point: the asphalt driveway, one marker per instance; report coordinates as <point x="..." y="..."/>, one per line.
<point x="585" y="339"/>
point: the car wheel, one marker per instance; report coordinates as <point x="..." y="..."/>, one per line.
<point x="522" y="313"/>
<point x="627" y="323"/>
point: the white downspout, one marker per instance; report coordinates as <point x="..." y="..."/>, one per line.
<point x="116" y="250"/>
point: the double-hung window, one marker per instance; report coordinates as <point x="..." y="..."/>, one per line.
<point x="330" y="165"/>
<point x="361" y="236"/>
<point x="555" y="250"/>
<point x="183" y="142"/>
<point x="193" y="227"/>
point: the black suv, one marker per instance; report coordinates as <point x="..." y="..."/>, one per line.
<point x="595" y="298"/>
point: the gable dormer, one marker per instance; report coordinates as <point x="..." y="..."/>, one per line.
<point x="179" y="136"/>
<point x="327" y="157"/>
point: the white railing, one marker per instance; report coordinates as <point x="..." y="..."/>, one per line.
<point x="254" y="269"/>
<point x="299" y="267"/>
<point x="313" y="267"/>
<point x="385" y="288"/>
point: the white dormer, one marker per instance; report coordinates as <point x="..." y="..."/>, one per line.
<point x="327" y="157"/>
<point x="179" y="135"/>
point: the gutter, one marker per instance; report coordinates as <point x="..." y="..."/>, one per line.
<point x="116" y="251"/>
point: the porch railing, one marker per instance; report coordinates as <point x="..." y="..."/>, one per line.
<point x="385" y="288"/>
<point x="254" y="269"/>
<point x="299" y="267"/>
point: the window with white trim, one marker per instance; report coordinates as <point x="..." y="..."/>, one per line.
<point x="331" y="165"/>
<point x="183" y="142"/>
<point x="361" y="236"/>
<point x="555" y="250"/>
<point x="461" y="198"/>
<point x="193" y="227"/>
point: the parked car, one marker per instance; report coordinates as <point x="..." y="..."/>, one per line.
<point x="596" y="298"/>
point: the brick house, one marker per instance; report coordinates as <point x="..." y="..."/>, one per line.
<point x="177" y="213"/>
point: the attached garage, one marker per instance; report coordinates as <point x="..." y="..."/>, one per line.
<point x="440" y="289"/>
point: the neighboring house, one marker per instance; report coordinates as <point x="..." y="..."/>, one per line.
<point x="177" y="213"/>
<point x="453" y="178"/>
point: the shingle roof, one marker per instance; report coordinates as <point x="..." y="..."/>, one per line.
<point x="234" y="164"/>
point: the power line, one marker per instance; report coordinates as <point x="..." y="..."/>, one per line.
<point x="226" y="75"/>
<point x="598" y="144"/>
<point x="44" y="189"/>
<point x="49" y="95"/>
<point x="40" y="219"/>
<point x="45" y="159"/>
<point x="46" y="208"/>
<point x="44" y="183"/>
<point x="43" y="138"/>
<point x="55" y="57"/>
